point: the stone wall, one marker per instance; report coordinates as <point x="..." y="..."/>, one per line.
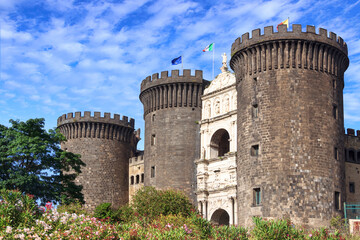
<point x="352" y="166"/>
<point x="136" y="174"/>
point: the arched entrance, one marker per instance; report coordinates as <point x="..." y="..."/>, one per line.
<point x="220" y="217"/>
<point x="219" y="143"/>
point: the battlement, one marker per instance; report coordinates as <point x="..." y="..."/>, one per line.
<point x="289" y="49"/>
<point x="87" y="117"/>
<point x="175" y="77"/>
<point x="351" y="132"/>
<point x="136" y="160"/>
<point x="284" y="34"/>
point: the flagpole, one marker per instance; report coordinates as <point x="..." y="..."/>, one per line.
<point x="182" y="62"/>
<point x="213" y="62"/>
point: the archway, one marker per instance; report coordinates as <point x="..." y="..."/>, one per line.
<point x="219" y="144"/>
<point x="220" y="217"/>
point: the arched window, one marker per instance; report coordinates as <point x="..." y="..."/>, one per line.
<point x="142" y="177"/>
<point x="219" y="144"/>
<point x="137" y="179"/>
<point x="132" y="180"/>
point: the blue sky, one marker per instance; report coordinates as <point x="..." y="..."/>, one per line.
<point x="60" y="56"/>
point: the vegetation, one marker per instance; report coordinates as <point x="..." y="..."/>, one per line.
<point x="21" y="218"/>
<point x="32" y="162"/>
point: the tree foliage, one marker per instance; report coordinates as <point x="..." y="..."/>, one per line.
<point x="32" y="161"/>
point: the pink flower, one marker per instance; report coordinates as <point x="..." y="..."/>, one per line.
<point x="48" y="206"/>
<point x="310" y="235"/>
<point x="8" y="229"/>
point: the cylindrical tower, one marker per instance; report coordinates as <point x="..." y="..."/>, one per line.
<point x="172" y="111"/>
<point x="290" y="124"/>
<point x="105" y="145"/>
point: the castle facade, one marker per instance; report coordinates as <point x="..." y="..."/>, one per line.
<point x="267" y="140"/>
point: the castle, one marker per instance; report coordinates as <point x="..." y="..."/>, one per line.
<point x="267" y="140"/>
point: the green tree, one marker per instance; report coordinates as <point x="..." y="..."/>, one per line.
<point x="32" y="161"/>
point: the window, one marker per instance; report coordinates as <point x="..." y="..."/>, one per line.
<point x="337" y="201"/>
<point x="152" y="171"/>
<point x="137" y="179"/>
<point x="219" y="143"/>
<point x="255" y="110"/>
<point x="153" y="117"/>
<point x="257" y="196"/>
<point x="335" y="111"/>
<point x="334" y="84"/>
<point x="132" y="180"/>
<point x="254" y="150"/>
<point x="352" y="187"/>
<point x="358" y="156"/>
<point x="336" y="154"/>
<point x="351" y="155"/>
<point x="255" y="80"/>
<point x="142" y="177"/>
<point x="153" y="139"/>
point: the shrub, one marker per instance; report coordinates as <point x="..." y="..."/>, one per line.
<point x="124" y="214"/>
<point x="203" y="225"/>
<point x="75" y="207"/>
<point x="104" y="211"/>
<point x="150" y="203"/>
<point x="230" y="232"/>
<point x="17" y="209"/>
<point x="275" y="229"/>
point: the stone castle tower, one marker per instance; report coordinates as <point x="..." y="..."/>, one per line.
<point x="290" y="149"/>
<point x="105" y="145"/>
<point x="172" y="110"/>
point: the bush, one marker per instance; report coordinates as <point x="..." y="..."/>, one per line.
<point x="230" y="232"/>
<point x="203" y="225"/>
<point x="275" y="229"/>
<point x="75" y="207"/>
<point x="150" y="203"/>
<point x="17" y="209"/>
<point x="104" y="211"/>
<point x="124" y="214"/>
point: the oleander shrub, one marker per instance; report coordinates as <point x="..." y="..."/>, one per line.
<point x="230" y="232"/>
<point x="104" y="211"/>
<point x="75" y="207"/>
<point x="275" y="229"/>
<point x="17" y="209"/>
<point x="124" y="214"/>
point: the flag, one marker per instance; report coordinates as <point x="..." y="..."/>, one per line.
<point x="209" y="48"/>
<point x="176" y="61"/>
<point x="282" y="23"/>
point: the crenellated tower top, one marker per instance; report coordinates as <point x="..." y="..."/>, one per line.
<point x="87" y="126"/>
<point x="289" y="49"/>
<point x="70" y="118"/>
<point x="175" y="77"/>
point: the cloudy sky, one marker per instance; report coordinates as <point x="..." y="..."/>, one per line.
<point x="60" y="56"/>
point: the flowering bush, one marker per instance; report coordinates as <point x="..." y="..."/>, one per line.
<point x="17" y="209"/>
<point x="21" y="219"/>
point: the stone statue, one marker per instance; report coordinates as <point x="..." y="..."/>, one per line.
<point x="224" y="67"/>
<point x="224" y="61"/>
